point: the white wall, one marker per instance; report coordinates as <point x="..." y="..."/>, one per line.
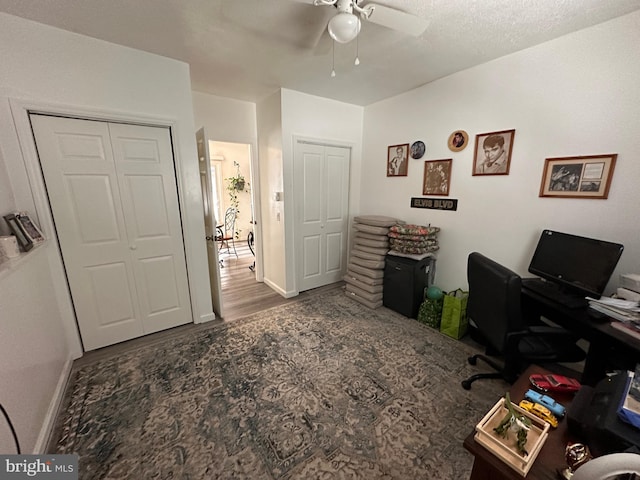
<point x="269" y="120"/>
<point x="64" y="72"/>
<point x="34" y="352"/>
<point x="577" y="95"/>
<point x="317" y="118"/>
<point x="225" y="119"/>
<point x="7" y="200"/>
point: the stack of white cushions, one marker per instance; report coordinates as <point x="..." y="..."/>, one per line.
<point x="365" y="271"/>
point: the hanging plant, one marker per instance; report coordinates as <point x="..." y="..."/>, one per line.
<point x="237" y="183"/>
<point x="234" y="185"/>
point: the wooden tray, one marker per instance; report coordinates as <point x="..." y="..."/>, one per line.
<point x="505" y="448"/>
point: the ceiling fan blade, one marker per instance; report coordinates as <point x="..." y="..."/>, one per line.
<point x="297" y="23"/>
<point x="397" y="20"/>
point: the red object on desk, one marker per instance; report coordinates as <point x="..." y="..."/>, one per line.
<point x="554" y="383"/>
<point x="487" y="466"/>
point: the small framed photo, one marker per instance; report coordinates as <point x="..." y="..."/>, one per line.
<point x="397" y="160"/>
<point x="417" y="149"/>
<point x="29" y="228"/>
<point x="578" y="177"/>
<point x="24" y="241"/>
<point x="437" y="177"/>
<point x="458" y="141"/>
<point x="493" y="153"/>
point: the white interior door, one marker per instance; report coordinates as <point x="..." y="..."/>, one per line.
<point x="321" y="179"/>
<point x="114" y="200"/>
<point x="206" y="183"/>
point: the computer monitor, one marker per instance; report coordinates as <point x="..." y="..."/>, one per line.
<point x="579" y="265"/>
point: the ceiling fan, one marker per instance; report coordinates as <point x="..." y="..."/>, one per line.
<point x="345" y="25"/>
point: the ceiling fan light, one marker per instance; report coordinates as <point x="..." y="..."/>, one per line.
<point x="344" y="27"/>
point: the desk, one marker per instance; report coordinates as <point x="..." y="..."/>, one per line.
<point x="487" y="466"/>
<point x="609" y="348"/>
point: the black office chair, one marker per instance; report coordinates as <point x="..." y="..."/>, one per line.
<point x="494" y="307"/>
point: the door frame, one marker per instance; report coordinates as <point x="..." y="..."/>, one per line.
<point x="300" y="139"/>
<point x="36" y="194"/>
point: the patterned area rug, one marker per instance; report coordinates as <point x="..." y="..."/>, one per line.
<point x="324" y="388"/>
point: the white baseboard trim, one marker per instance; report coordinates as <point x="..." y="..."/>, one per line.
<point x="52" y="412"/>
<point x="279" y="290"/>
<point x="206" y="318"/>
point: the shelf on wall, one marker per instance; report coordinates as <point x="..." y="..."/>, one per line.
<point x="10" y="265"/>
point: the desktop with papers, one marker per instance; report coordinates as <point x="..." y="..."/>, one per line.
<point x="623" y="310"/>
<point x="624" y="314"/>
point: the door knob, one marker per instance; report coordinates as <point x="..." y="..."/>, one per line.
<point x="211" y="238"/>
<point x="133" y="247"/>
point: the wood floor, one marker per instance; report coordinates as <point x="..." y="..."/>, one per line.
<point x="242" y="295"/>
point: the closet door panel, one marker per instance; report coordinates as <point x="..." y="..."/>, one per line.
<point x="97" y="221"/>
<point x="77" y="163"/>
<point x="145" y="170"/>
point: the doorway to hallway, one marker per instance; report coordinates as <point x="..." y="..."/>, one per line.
<point x="231" y="189"/>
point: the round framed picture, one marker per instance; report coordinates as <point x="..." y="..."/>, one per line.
<point x="417" y="149"/>
<point x="458" y="140"/>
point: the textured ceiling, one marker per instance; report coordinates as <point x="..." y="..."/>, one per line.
<point x="247" y="49"/>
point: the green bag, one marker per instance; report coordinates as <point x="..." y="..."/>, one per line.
<point x="454" y="314"/>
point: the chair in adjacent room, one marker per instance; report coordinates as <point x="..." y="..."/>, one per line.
<point x="227" y="231"/>
<point x="250" y="242"/>
<point x="494" y="308"/>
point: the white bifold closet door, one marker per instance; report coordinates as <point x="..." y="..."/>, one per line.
<point x="113" y="194"/>
<point x="321" y="191"/>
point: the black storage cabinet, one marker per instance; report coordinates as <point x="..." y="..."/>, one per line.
<point x="404" y="282"/>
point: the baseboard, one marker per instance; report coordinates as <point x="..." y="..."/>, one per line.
<point x="279" y="290"/>
<point x="206" y="318"/>
<point x="48" y="425"/>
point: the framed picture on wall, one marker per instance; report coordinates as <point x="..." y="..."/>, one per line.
<point x="578" y="177"/>
<point x="397" y="160"/>
<point x="417" y="149"/>
<point x="458" y="141"/>
<point x="493" y="153"/>
<point x="29" y="228"/>
<point x="24" y="241"/>
<point x="437" y="177"/>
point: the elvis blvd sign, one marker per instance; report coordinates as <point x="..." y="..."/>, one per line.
<point x="435" y="203"/>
